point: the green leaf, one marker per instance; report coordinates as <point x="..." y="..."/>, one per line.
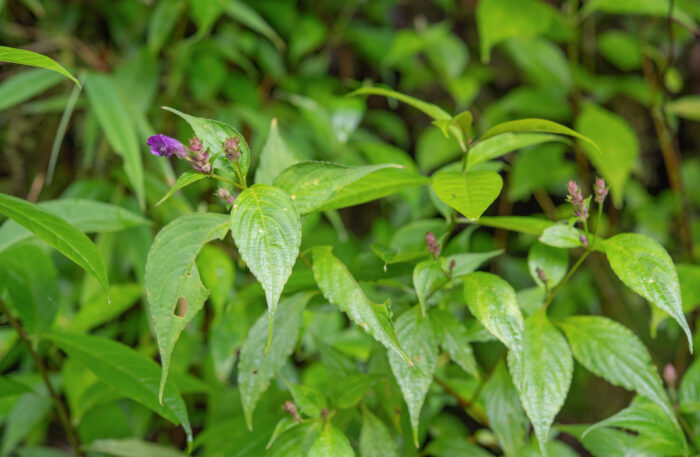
<point x="522" y="224"/>
<point x="24" y="57"/>
<point x="352" y="389"/>
<point x="506" y="416"/>
<point x="309" y="400"/>
<point x="375" y="439"/>
<point x="689" y="391"/>
<point x="428" y="277"/>
<point x="614" y="353"/>
<point x="130" y="447"/>
<point x="57" y="233"/>
<point x="656" y="430"/>
<point x="492" y="301"/>
<point x="251" y="19"/>
<point x="296" y="441"/>
<point x="267" y="230"/>
<point x="96" y="312"/>
<point x="313" y="184"/>
<point x="390" y="256"/>
<point x="687" y="107"/>
<point x="608" y="442"/>
<point x="618" y="146"/>
<point x="561" y="236"/>
<point x="10" y="388"/>
<point x="445" y="446"/>
<point x="340" y="288"/>
<point x="213" y="134"/>
<point x="28" y="275"/>
<point x="471" y="193"/>
<point x="275" y="156"/>
<point x="655" y="8"/>
<point x="28" y="412"/>
<point x="431" y="110"/>
<point x="25" y="85"/>
<point x="416" y="336"/>
<point x="115" y="118"/>
<point x="553" y="262"/>
<point x="256" y="368"/>
<point x="163" y="19"/>
<point x="454" y="338"/>
<point x="375" y="185"/>
<point x="500" y="145"/>
<point x="174" y="290"/>
<point x="542" y="375"/>
<point x="130" y="373"/>
<point x="331" y="443"/>
<point x="468" y="262"/>
<point x="85" y="215"/>
<point x="535" y="125"/>
<point x="184" y="180"/>
<point x="645" y="267"/>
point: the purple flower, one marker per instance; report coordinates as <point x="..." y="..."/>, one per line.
<point x="164" y="146"/>
<point x="232" y="148"/>
<point x="195" y="145"/>
<point x="433" y="245"/>
<point x="600" y="190"/>
<point x="577" y="201"/>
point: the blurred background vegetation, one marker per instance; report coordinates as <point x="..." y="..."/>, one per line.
<point x="623" y="73"/>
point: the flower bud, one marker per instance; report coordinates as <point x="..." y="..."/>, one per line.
<point x="195" y="145"/>
<point x="541" y="275"/>
<point x="225" y="194"/>
<point x="576" y="199"/>
<point x="232" y="148"/>
<point x="291" y="409"/>
<point x="433" y="246"/>
<point x="600" y="190"/>
<point x="670" y="375"/>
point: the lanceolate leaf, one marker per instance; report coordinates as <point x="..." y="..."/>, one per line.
<point x="535" y="125"/>
<point x="454" y="338"/>
<point x="331" y="443"/>
<point x="275" y="157"/>
<point x="213" y="134"/>
<point x="256" y="368"/>
<point x="340" y="288"/>
<point x="492" y="301"/>
<point x="25" y="85"/>
<point x="471" y="193"/>
<point x="522" y="224"/>
<point x="504" y="411"/>
<point x="131" y="447"/>
<point x="24" y="57"/>
<point x="561" y="236"/>
<point x="129" y="372"/>
<point x="431" y="110"/>
<point x="501" y="145"/>
<point x="267" y="230"/>
<point x="313" y="184"/>
<point x="689" y="391"/>
<point x="428" y="276"/>
<point x="614" y="353"/>
<point x="86" y="215"/>
<point x="375" y="439"/>
<point x="174" y="290"/>
<point x="56" y="232"/>
<point x="645" y="267"/>
<point x="184" y="180"/>
<point x="543" y="374"/>
<point x="417" y="338"/>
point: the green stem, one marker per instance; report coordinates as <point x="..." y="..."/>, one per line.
<point x="228" y="181"/>
<point x="60" y="407"/>
<point x="567" y="277"/>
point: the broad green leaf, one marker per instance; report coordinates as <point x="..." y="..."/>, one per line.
<point x="445" y="446"/>
<point x="522" y="224"/>
<point x="256" y="368"/>
<point x="130" y="373"/>
<point x="375" y="439"/>
<point x="163" y="19"/>
<point x="24" y="57"/>
<point x="614" y="353"/>
<point x="28" y="275"/>
<point x="375" y="185"/>
<point x="645" y="267"/>
<point x="492" y="301"/>
<point x="618" y="146"/>
<point x="85" y="215"/>
<point x="213" y="134"/>
<point x="218" y="274"/>
<point x="267" y="230"/>
<point x="561" y="236"/>
<point x="499" y="20"/>
<point x="308" y="399"/>
<point x="184" y="180"/>
<point x="247" y="16"/>
<point x="130" y="447"/>
<point x="454" y="338"/>
<point x="553" y="262"/>
<point x="656" y="8"/>
<point x="504" y="411"/>
<point x="468" y="262"/>
<point x="205" y="12"/>
<point x="96" y="311"/>
<point x="689" y="391"/>
<point x="431" y="110"/>
<point x="464" y="122"/>
<point x="313" y="184"/>
<point x="428" y="276"/>
<point x="471" y="193"/>
<point x="57" y="233"/>
<point x="500" y="145"/>
<point x="331" y="443"/>
<point x="26" y="85"/>
<point x="535" y="125"/>
<point x="10" y="388"/>
<point x="687" y="107"/>
<point x="275" y="156"/>
<point x="657" y="431"/>
<point x="542" y="375"/>
<point x="174" y="290"/>
<point x="390" y="256"/>
<point x="416" y="336"/>
<point x="28" y="412"/>
<point x="351" y="389"/>
<point x="340" y="288"/>
<point x="109" y="105"/>
<point x="296" y="441"/>
<point x="608" y="442"/>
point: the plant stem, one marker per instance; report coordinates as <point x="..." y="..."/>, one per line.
<point x="60" y="407"/>
<point x="468" y="405"/>
<point x="221" y="178"/>
<point x="567" y="277"/>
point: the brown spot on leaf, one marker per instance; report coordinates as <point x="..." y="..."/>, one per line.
<point x="180" y="309"/>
